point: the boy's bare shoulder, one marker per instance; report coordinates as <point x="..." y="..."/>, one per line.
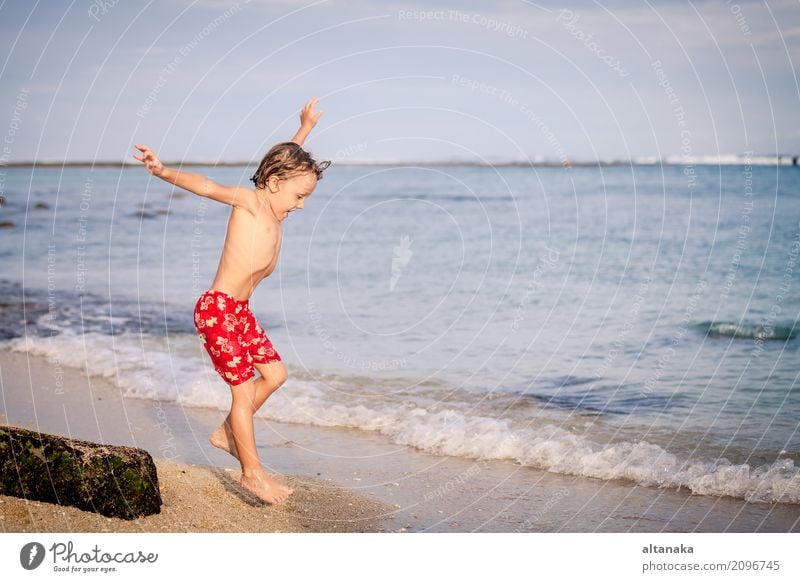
<point x="246" y="198"/>
<point x="236" y="196"/>
<point x="254" y="201"/>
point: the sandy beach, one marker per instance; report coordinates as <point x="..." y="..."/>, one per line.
<point x="344" y="479"/>
<point x="209" y="499"/>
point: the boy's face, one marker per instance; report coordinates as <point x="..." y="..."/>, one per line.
<point x="289" y="194"/>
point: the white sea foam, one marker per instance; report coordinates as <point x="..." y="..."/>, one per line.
<point x="142" y="366"/>
<point x="450" y="432"/>
<point x="148" y="367"/>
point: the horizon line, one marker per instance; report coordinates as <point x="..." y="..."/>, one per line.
<point x="723" y="159"/>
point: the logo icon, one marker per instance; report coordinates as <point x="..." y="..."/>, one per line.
<point x="31" y="555"/>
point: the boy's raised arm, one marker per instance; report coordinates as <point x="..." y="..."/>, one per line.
<point x="308" y="119"/>
<point x="195" y="183"/>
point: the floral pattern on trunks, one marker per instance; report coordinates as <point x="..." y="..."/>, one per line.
<point x="231" y="335"/>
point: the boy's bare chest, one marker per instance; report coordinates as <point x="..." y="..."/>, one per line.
<point x="254" y="241"/>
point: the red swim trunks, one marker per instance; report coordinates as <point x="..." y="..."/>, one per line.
<point x="232" y="336"/>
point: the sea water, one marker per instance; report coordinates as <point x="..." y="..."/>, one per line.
<point x="619" y="322"/>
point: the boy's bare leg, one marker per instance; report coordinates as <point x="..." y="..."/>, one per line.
<point x="222" y="438"/>
<point x="273" y="375"/>
<point x="254" y="478"/>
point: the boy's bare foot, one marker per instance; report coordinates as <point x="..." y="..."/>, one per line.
<point x="222" y="438"/>
<point x="265" y="487"/>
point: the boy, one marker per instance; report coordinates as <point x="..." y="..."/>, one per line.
<point x="230" y="333"/>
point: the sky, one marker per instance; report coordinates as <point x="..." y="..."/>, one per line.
<point x="214" y="81"/>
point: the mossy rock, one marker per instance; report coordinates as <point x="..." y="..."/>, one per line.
<point x="114" y="481"/>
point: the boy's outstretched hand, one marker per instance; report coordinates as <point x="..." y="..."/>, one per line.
<point x="308" y="119"/>
<point x="149" y="159"/>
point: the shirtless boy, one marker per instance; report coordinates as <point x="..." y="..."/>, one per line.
<point x="234" y="340"/>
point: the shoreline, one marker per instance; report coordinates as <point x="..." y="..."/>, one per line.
<point x="376" y="485"/>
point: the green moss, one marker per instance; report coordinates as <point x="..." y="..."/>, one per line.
<point x="114" y="481"/>
<point x="28" y="461"/>
<point x="62" y="457"/>
<point x="34" y="450"/>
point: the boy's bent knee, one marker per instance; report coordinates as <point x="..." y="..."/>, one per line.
<point x="282" y="376"/>
<point x="277" y="380"/>
<point x="274" y="374"/>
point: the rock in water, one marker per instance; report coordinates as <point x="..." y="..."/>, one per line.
<point x="114" y="481"/>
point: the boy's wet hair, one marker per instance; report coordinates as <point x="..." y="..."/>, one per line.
<point x="284" y="160"/>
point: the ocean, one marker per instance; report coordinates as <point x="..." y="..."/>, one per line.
<point x="634" y="323"/>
